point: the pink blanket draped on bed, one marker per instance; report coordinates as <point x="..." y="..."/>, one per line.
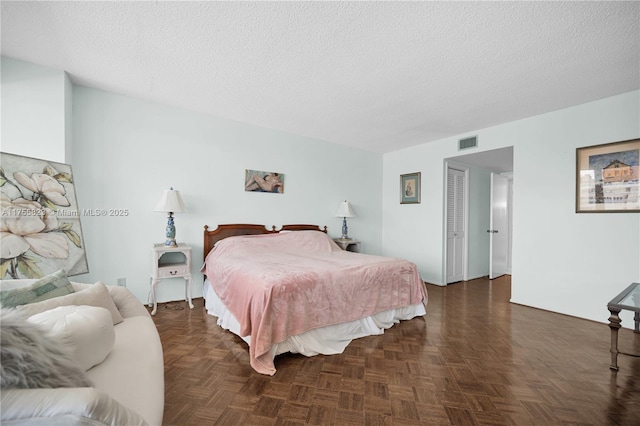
<point x="281" y="285"/>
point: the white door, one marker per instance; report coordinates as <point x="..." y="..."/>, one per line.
<point x="456" y="238"/>
<point x="499" y="226"/>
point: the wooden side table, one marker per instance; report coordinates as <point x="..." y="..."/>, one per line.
<point x="171" y="262"/>
<point x="348" y="244"/>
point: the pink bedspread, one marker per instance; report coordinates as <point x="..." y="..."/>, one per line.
<point x="280" y="285"/>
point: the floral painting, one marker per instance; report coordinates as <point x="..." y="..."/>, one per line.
<point x="40" y="229"/>
<point x="410" y="188"/>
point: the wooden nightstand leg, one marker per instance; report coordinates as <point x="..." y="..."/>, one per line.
<point x="154" y="283"/>
<point x="187" y="291"/>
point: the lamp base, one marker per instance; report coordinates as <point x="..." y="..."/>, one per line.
<point x="345" y="229"/>
<point x="171" y="232"/>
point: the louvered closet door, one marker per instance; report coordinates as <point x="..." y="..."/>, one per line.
<point x="455" y="225"/>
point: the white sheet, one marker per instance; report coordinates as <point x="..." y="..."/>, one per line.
<point x="324" y="340"/>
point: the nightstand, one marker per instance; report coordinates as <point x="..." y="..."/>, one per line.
<point x="171" y="262"/>
<point x="348" y="245"/>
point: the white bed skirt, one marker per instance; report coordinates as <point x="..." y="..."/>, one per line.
<point x="328" y="340"/>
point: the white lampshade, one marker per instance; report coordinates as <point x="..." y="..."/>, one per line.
<point x="170" y="201"/>
<point x="344" y="210"/>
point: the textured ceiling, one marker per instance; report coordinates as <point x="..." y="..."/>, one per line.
<point x="380" y="76"/>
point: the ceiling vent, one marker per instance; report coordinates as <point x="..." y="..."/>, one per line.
<point x="468" y="143"/>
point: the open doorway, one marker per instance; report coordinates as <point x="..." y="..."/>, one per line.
<point x="472" y="256"/>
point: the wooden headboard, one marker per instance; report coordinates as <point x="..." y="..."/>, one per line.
<point x="233" y="229"/>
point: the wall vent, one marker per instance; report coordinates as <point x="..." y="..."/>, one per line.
<point x="467" y="143"/>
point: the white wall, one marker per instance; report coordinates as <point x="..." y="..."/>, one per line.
<point x="35" y="100"/>
<point x="562" y="261"/>
<point x="126" y="151"/>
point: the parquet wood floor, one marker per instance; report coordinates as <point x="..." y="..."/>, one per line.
<point x="474" y="359"/>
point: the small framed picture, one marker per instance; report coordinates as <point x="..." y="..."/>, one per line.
<point x="258" y="181"/>
<point x="410" y="188"/>
<point x="607" y="178"/>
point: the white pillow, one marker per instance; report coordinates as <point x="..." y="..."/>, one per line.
<point x="86" y="332"/>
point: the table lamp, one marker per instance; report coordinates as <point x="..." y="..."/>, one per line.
<point x="170" y="202"/>
<point x="345" y="211"/>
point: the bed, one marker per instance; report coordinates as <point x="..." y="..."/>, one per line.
<point x="295" y="290"/>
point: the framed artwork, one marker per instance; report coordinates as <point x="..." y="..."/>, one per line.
<point x="39" y="218"/>
<point x="607" y="178"/>
<point x="257" y="181"/>
<point x="410" y="188"/>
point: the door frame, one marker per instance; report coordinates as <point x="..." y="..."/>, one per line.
<point x="506" y="229"/>
<point x="497" y="160"/>
<point x="449" y="164"/>
<point x="509" y="176"/>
